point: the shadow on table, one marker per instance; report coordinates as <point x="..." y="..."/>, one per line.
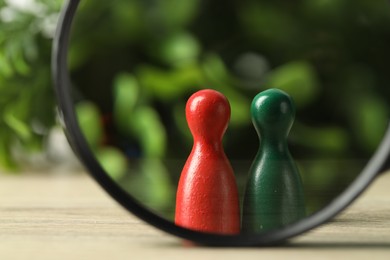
<point x="337" y="245"/>
<point x="288" y="245"/>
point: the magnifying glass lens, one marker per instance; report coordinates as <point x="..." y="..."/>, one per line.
<point x="302" y="86"/>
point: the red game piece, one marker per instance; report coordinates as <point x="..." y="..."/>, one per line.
<point x="207" y="197"/>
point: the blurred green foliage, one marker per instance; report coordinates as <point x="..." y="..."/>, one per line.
<point x="26" y="97"/>
<point x="147" y="57"/>
<point x="135" y="62"/>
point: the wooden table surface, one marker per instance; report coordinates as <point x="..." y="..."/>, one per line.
<point x="68" y="216"/>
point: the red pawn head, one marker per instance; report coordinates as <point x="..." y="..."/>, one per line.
<point x="208" y="114"/>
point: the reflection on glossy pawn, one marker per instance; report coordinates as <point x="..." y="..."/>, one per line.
<point x="274" y="193"/>
<point x="207" y="196"/>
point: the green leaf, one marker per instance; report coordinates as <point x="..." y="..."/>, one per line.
<point x="16" y="115"/>
<point x="299" y="79"/>
<point x="113" y="162"/>
<point x="153" y="186"/>
<point x="370" y="119"/>
<point x="88" y="117"/>
<point x="5" y="66"/>
<point x="19" y="126"/>
<point x="15" y="53"/>
<point x="168" y="85"/>
<point x="214" y="69"/>
<point x="6" y="160"/>
<point x="126" y="97"/>
<point x="178" y="50"/>
<point x="150" y="131"/>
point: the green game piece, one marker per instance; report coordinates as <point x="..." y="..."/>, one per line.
<point x="274" y="192"/>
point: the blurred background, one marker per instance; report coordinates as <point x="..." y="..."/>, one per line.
<point x="134" y="63"/>
<point x="27" y="104"/>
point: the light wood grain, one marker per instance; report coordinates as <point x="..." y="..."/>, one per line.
<point x="67" y="216"/>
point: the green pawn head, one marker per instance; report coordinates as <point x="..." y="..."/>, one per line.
<point x="273" y="113"/>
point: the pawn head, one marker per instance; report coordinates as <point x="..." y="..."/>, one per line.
<point x="208" y="114"/>
<point x="273" y="112"/>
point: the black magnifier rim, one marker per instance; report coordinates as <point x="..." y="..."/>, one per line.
<point x="377" y="164"/>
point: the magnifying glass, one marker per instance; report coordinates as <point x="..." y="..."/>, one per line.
<point x="124" y="71"/>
